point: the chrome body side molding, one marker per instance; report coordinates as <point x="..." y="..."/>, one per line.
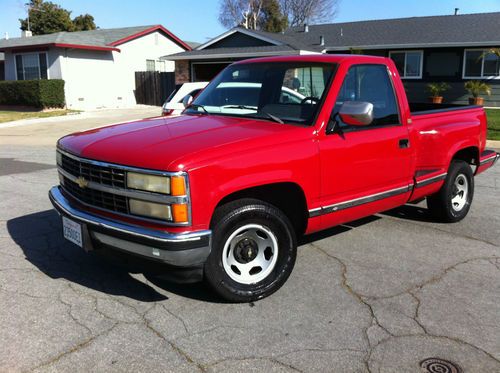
<point x="359" y="201"/>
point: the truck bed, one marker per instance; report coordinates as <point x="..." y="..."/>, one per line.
<point x="422" y="108"/>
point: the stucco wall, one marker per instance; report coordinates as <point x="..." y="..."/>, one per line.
<point x="90" y="79"/>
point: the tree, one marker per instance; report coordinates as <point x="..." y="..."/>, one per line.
<point x="244" y="13"/>
<point x="272" y="20"/>
<point x="275" y="15"/>
<point x="299" y="12"/>
<point x="46" y="17"/>
<point x="84" y="22"/>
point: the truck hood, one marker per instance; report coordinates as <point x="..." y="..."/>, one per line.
<point x="172" y="144"/>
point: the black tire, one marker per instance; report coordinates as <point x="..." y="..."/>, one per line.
<point x="236" y="215"/>
<point x="440" y="204"/>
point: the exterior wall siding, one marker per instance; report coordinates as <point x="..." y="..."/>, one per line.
<point x="238" y="40"/>
<point x="417" y="92"/>
<point x="442" y="65"/>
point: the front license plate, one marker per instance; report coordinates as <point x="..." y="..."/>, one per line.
<point x="72" y="231"/>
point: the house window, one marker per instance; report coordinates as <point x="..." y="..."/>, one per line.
<point x="409" y="64"/>
<point x="150" y="65"/>
<point x="31" y="66"/>
<point x="478" y="63"/>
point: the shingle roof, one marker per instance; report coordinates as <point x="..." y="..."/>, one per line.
<point x="462" y="30"/>
<point x="482" y="29"/>
<point x="284" y="44"/>
<point x="105" y="39"/>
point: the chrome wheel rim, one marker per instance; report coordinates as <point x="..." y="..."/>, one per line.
<point x="460" y="193"/>
<point x="250" y="254"/>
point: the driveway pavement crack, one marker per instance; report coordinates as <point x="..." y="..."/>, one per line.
<point x="76" y="348"/>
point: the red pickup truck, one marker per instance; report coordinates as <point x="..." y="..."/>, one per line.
<point x="270" y="150"/>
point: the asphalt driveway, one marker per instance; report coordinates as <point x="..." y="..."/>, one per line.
<point x="381" y="294"/>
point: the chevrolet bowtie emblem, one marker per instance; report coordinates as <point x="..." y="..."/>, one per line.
<point x="82" y="182"/>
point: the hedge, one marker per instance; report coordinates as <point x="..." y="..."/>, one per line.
<point x="41" y="93"/>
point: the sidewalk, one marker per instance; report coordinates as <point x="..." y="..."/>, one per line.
<point x="83" y="115"/>
<point x="46" y="131"/>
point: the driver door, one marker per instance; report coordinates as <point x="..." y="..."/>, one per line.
<point x="365" y="169"/>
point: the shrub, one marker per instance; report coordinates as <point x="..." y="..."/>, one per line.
<point x="475" y="87"/>
<point x="41" y="93"/>
<point x="437" y="88"/>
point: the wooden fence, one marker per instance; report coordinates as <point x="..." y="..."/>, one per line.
<point x="153" y="87"/>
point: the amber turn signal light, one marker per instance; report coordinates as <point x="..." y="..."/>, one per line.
<point x="180" y="213"/>
<point x="177" y="186"/>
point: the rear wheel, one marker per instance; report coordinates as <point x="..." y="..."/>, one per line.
<point x="453" y="201"/>
<point x="253" y="250"/>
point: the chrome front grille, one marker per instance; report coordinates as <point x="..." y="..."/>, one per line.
<point x="103" y="186"/>
<point x="103" y="200"/>
<point x="98" y="174"/>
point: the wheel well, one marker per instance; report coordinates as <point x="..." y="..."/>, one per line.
<point x="469" y="155"/>
<point x="280" y="195"/>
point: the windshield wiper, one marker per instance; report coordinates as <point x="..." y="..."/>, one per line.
<point x="244" y="107"/>
<point x="273" y="117"/>
<point x="194" y="106"/>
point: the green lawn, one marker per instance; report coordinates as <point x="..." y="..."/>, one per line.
<point x="493" y="124"/>
<point x="10" y="115"/>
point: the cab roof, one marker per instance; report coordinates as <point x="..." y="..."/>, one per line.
<point x="321" y="58"/>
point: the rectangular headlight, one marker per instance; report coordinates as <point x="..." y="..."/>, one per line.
<point x="149" y="183"/>
<point x="58" y="158"/>
<point x="150" y="209"/>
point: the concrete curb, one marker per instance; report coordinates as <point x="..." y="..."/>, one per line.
<point x="493" y="144"/>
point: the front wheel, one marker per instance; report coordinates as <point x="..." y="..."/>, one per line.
<point x="253" y="250"/>
<point x="452" y="202"/>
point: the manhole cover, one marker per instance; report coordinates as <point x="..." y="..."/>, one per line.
<point x="435" y="365"/>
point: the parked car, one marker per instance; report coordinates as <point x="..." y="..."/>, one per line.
<point x="173" y="104"/>
<point x="224" y="191"/>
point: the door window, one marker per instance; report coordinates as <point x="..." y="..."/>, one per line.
<point x="369" y="83"/>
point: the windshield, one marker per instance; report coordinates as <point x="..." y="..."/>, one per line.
<point x="282" y="92"/>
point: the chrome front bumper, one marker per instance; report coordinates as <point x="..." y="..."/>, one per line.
<point x="181" y="250"/>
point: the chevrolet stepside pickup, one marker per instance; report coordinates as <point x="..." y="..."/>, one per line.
<point x="272" y="149"/>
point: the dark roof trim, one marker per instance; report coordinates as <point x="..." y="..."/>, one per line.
<point x="149" y="31"/>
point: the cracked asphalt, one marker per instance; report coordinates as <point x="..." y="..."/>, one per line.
<point x="376" y="295"/>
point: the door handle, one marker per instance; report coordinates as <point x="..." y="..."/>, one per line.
<point x="404" y="143"/>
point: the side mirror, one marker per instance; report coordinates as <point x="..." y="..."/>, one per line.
<point x="356" y="113"/>
<point x="186" y="101"/>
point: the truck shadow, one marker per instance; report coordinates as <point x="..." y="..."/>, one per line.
<point x="411" y="212"/>
<point x="331" y="232"/>
<point x="39" y="235"/>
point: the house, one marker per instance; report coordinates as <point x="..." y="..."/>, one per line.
<point x="98" y="66"/>
<point x="425" y="49"/>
